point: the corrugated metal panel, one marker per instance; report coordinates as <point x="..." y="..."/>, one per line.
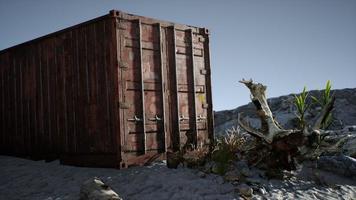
<point x="113" y="91"/>
<point x="164" y="73"/>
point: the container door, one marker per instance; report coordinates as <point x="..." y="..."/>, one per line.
<point x="142" y="78"/>
<point x="189" y="86"/>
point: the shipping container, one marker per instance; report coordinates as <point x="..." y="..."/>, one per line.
<point x="115" y="91"/>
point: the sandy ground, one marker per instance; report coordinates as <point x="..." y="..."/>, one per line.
<point x="25" y="179"/>
<point x="303" y="186"/>
<point x="36" y="180"/>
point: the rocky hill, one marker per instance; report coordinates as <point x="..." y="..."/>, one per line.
<point x="344" y="112"/>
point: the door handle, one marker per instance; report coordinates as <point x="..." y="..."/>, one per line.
<point x="200" y="118"/>
<point x="135" y="119"/>
<point x="156" y="118"/>
<point x="182" y="118"/>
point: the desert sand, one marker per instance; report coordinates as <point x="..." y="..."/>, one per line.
<point x="36" y="180"/>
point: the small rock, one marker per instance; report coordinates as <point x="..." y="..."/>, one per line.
<point x="341" y="164"/>
<point x="219" y="180"/>
<point x="181" y="166"/>
<point x="245" y="190"/>
<point x="208" y="167"/>
<point x="262" y="191"/>
<point x="240" y="165"/>
<point x="254" y="180"/>
<point x="95" y="189"/>
<point x="246" y="171"/>
<point x="232" y="176"/>
<point x="350" y="128"/>
<point x="216" y="169"/>
<point x="201" y="174"/>
<point x="235" y="183"/>
<point x="349" y="147"/>
<point x="257" y="173"/>
<point x="274" y="174"/>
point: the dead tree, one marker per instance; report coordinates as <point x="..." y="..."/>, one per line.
<point x="284" y="146"/>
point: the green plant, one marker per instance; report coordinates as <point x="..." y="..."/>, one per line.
<point x="324" y="100"/>
<point x="302" y="106"/>
<point x="222" y="158"/>
<point x="225" y="149"/>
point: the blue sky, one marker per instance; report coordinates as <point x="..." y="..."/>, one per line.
<point x="285" y="44"/>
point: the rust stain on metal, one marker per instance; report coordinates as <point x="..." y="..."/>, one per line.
<point x="115" y="91"/>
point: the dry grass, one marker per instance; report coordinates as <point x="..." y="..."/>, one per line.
<point x="196" y="156"/>
<point x="227" y="147"/>
<point x="234" y="139"/>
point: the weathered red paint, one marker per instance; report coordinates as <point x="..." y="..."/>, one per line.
<point x="114" y="91"/>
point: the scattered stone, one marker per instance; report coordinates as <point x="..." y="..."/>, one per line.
<point x="254" y="180"/>
<point x="274" y="174"/>
<point x="350" y="128"/>
<point x="201" y="174"/>
<point x="219" y="180"/>
<point x="262" y="190"/>
<point x="181" y="166"/>
<point x="207" y="168"/>
<point x="245" y="190"/>
<point x="215" y="169"/>
<point x="349" y="147"/>
<point x="239" y="165"/>
<point x="246" y="172"/>
<point x="340" y="164"/>
<point x="232" y="176"/>
<point x="95" y="189"/>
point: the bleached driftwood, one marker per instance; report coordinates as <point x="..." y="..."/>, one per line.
<point x="288" y="143"/>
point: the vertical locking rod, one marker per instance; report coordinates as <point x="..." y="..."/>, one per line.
<point x="177" y="130"/>
<point x="163" y="121"/>
<point x="142" y="86"/>
<point x="195" y="126"/>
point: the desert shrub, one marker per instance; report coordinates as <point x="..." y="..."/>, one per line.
<point x="225" y="149"/>
<point x="195" y="156"/>
<point x="234" y="139"/>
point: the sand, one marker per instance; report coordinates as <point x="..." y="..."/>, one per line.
<point x="36" y="180"/>
<point x="25" y="179"/>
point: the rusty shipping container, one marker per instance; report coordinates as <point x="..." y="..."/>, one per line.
<point x="115" y="91"/>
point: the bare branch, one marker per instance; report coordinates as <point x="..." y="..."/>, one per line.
<point x="248" y="83"/>
<point x="270" y="128"/>
<point x="268" y="138"/>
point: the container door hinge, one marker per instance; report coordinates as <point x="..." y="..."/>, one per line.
<point x="204" y="72"/>
<point x="201" y="39"/>
<point x="123" y="65"/>
<point x="124" y="105"/>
